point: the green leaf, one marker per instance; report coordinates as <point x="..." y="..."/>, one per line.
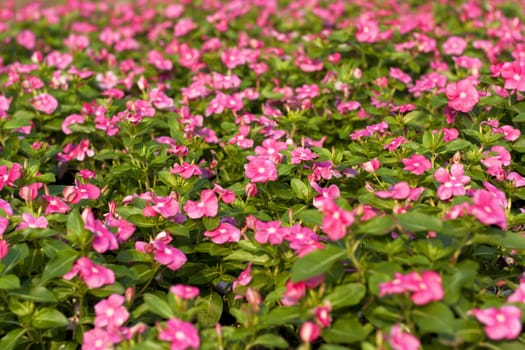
<point x="75" y="228"/>
<point x="49" y="318"/>
<point x="512" y="240"/>
<point x="457" y="145"/>
<point x="271" y="341"/>
<point x="416" y="222"/>
<point x="464" y="275"/>
<point x="311" y="217"/>
<point x="35" y="294"/>
<point x="282" y="315"/>
<point x="9" y="282"/>
<point x="520" y="118"/>
<point x="242" y="255"/>
<point x="300" y="189"/>
<point x="346" y="331"/>
<point x="346" y="295"/>
<point x="379" y="225"/>
<point x="434" y="318"/>
<point x="19" y="119"/>
<point x="60" y="264"/>
<point x="209" y="309"/>
<point x="211" y="223"/>
<point x="158" y="306"/>
<point x="17" y="253"/>
<point x="316" y="263"/>
<point x="10" y="340"/>
<point x="169" y="179"/>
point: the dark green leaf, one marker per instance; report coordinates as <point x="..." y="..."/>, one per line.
<point x="271" y="341"/>
<point x="346" y="332"/>
<point x="346" y="295"/>
<point x="49" y="318"/>
<point x="435" y="318"/>
<point x="158" y="306"/>
<point x="10" y="340"/>
<point x="209" y="309"/>
<point x="9" y="282"/>
<point x="416" y="222"/>
<point x="316" y="263"/>
<point x="59" y="265"/>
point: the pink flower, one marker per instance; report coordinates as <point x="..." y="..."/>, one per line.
<point x="74" y="194"/>
<point x="399" y="340"/>
<point x="519" y="294"/>
<point x="227" y="196"/>
<point x="309" y="332"/>
<point x="367" y="29"/>
<point x="371" y="166"/>
<point x="417" y="164"/>
<point x="454" y="45"/>
<point x="70" y="120"/>
<point x="514" y="75"/>
<point x="167" y="206"/>
<point x="4" y="249"/>
<point x="26" y="38"/>
<point x="97" y="339"/>
<point x="9" y="176"/>
<point x="244" y="278"/>
<point x="500" y="323"/>
<point x="55" y="205"/>
<point x="95" y="276"/>
<point x="335" y="220"/>
<point x="186" y="170"/>
<point x="270" y="231"/>
<point x="225" y="232"/>
<point x="45" y="103"/>
<point x="488" y="210"/>
<point x="164" y="254"/>
<point x="207" y="206"/>
<point x="29" y="221"/>
<point x="452" y="184"/>
<point x="462" y="95"/>
<point x="182" y="335"/>
<point x="426" y="288"/>
<point x="184" y="292"/>
<point x="110" y="313"/>
<point x="260" y="169"/>
<point x="294" y="293"/>
<point x="401" y="190"/>
<point x="30" y="192"/>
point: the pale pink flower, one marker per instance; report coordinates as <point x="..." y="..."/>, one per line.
<point x="400" y="340"/>
<point x="500" y="323"/>
<point x="417" y="164"/>
<point x="462" y="95"/>
<point x="225" y="232"/>
<point x="110" y="312"/>
<point x="182" y="335"/>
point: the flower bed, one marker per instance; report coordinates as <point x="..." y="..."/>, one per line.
<point x="262" y="175"/>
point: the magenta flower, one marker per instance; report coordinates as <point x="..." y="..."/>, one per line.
<point x="514" y="75"/>
<point x="182" y="335"/>
<point x="165" y="206"/>
<point x="110" y="313"/>
<point x="260" y="169"/>
<point x="95" y="276"/>
<point x="55" y="205"/>
<point x="244" y="278"/>
<point x="400" y="340"/>
<point x="371" y="166"/>
<point x="45" y="103"/>
<point x="164" y="254"/>
<point x="225" y="232"/>
<point x="401" y="191"/>
<point x="500" y="323"/>
<point x="519" y="294"/>
<point x="417" y="164"/>
<point x="452" y="184"/>
<point x="4" y="249"/>
<point x="184" y="292"/>
<point x="462" y="95"/>
<point x="294" y="293"/>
